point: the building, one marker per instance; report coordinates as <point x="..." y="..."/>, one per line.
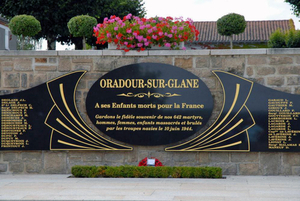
<point x="256" y="34"/>
<point x="7" y="40"/>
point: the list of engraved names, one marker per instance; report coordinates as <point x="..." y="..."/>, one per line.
<point x="281" y="115"/>
<point x="14" y="114"/>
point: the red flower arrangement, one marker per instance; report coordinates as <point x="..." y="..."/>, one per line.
<point x="144" y="162"/>
<point x="133" y="32"/>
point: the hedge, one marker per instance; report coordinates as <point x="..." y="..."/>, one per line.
<point x="146" y="172"/>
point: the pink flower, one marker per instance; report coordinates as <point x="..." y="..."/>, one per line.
<point x="146" y="43"/>
<point x="128" y="30"/>
<point x="181" y="28"/>
<point x="116" y="28"/>
<point x="128" y="17"/>
<point x="170" y="35"/>
<point x="96" y="28"/>
<point x="108" y="35"/>
<point x="148" y="26"/>
<point x="125" y="43"/>
<point x="184" y="48"/>
<point x="160" y="33"/>
<point x="154" y="37"/>
<point x="132" y="46"/>
<point x="139" y="38"/>
<point x="167" y="45"/>
<point x="142" y="27"/>
<point x="150" y="31"/>
<point x="140" y="44"/>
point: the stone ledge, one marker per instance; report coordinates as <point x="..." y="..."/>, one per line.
<point x="283" y="51"/>
<point x="216" y="52"/>
<point x="80" y="53"/>
<point x="34" y="53"/>
<point x="239" y="52"/>
<point x="123" y="53"/>
<point x="178" y="52"/>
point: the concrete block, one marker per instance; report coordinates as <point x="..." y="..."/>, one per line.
<point x="275" y="81"/>
<point x="227" y="168"/>
<point x="33" y="167"/>
<point x="32" y="156"/>
<point x="45" y="68"/>
<point x="24" y="80"/>
<point x="262" y="71"/>
<point x="270" y="163"/>
<point x="40" y="60"/>
<point x="256" y="60"/>
<point x="292" y="158"/>
<point x="3" y="167"/>
<point x="285" y="70"/>
<point x="55" y="162"/>
<point x="16" y="167"/>
<point x="279" y="60"/>
<point x="184" y="62"/>
<point x="245" y="157"/>
<point x="11" y="80"/>
<point x="296" y="170"/>
<point x="249" y="169"/>
<point x="64" y="64"/>
<point x="116" y="157"/>
<point x="23" y="64"/>
<point x="202" y="62"/>
<point x="219" y="157"/>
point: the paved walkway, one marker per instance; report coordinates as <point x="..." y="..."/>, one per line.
<point x="60" y="187"/>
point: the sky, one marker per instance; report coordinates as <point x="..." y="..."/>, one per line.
<point x="212" y="10"/>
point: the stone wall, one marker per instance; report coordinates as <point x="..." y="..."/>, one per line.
<point x="274" y="68"/>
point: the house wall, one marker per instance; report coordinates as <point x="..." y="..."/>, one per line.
<point x="275" y="68"/>
<point x="12" y="39"/>
<point x="2" y="39"/>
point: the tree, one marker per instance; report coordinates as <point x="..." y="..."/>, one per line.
<point x="82" y="26"/>
<point x="23" y="26"/>
<point x="295" y="6"/>
<point x="55" y="14"/>
<point x="231" y="24"/>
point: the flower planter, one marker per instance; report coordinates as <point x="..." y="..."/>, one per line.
<point x="145" y="34"/>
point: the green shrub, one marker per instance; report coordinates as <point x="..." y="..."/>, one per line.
<point x="289" y="39"/>
<point x="230" y="24"/>
<point x="292" y="39"/>
<point x="82" y="26"/>
<point x="277" y="39"/>
<point x="85" y="171"/>
<point x="147" y="172"/>
<point x="23" y="26"/>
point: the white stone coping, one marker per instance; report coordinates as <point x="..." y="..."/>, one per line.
<point x="215" y="52"/>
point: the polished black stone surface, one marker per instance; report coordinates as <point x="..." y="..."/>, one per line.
<point x="149" y="104"/>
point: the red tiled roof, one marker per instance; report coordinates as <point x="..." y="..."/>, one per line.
<point x="256" y="31"/>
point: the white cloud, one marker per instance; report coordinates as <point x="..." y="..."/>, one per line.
<point x="212" y="10"/>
